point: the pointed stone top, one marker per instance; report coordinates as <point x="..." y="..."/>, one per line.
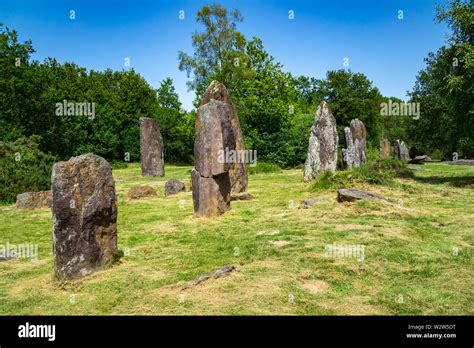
<point x="216" y="91"/>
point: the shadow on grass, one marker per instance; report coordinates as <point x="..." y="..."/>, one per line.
<point x="455" y="181"/>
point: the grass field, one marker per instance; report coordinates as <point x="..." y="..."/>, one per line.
<point x="417" y="252"/>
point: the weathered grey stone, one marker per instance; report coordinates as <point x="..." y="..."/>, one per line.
<point x="305" y="204"/>
<point x="420" y="159"/>
<point x="356" y="145"/>
<point x="151" y="148"/>
<point x="34" y="200"/>
<point x="174" y="186"/>
<point x="322" y="147"/>
<point x="237" y="171"/>
<point x="84" y="216"/>
<point x="401" y="151"/>
<point x="351" y="195"/>
<point x="241" y="197"/>
<point x="141" y="192"/>
<point x="384" y="148"/>
<point x="211" y="196"/>
<point x="462" y="162"/>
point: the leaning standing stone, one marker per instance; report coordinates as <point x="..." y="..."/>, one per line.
<point x="84" y="216"/>
<point x="151" y="148"/>
<point x="401" y="151"/>
<point x="322" y="147"/>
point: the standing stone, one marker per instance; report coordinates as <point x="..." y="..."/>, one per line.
<point x="401" y="151"/>
<point x="210" y="178"/>
<point x="350" y="155"/>
<point x="237" y="171"/>
<point x="385" y="148"/>
<point x="323" y="141"/>
<point x="84" y="216"/>
<point x="356" y="144"/>
<point x="151" y="148"/>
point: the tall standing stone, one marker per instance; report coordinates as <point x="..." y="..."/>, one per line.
<point x="84" y="216"/>
<point x="151" y="148"/>
<point x="356" y="144"/>
<point x="322" y="147"/>
<point x="238" y="170"/>
<point x="401" y="151"/>
<point x="384" y="148"/>
<point x="210" y="178"/>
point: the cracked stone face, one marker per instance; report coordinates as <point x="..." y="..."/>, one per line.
<point x="354" y="155"/>
<point x="322" y="146"/>
<point x="151" y="148"/>
<point x="237" y="171"/>
<point x="215" y="134"/>
<point x="84" y="216"/>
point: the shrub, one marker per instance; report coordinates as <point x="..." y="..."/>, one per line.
<point x="263" y="167"/>
<point x="23" y="168"/>
<point x="379" y="172"/>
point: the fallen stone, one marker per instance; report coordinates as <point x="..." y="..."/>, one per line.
<point x="151" y="148"/>
<point x="241" y="197"/>
<point x="414" y="168"/>
<point x="461" y="162"/>
<point x="7" y="256"/>
<point x="174" y="186"/>
<point x="84" y="216"/>
<point x="141" y="192"/>
<point x="351" y="195"/>
<point x="322" y="146"/>
<point x="420" y="160"/>
<point x="34" y="200"/>
<point x="218" y="273"/>
<point x="310" y="202"/>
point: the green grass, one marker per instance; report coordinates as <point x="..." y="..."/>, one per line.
<point x="419" y="250"/>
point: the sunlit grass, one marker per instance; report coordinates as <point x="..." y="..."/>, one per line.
<point x="417" y="253"/>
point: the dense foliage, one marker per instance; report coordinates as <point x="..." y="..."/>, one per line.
<point x="23" y="167"/>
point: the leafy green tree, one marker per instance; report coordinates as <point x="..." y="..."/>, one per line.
<point x="445" y="88"/>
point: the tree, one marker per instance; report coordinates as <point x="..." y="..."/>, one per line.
<point x="445" y="88"/>
<point x="218" y="50"/>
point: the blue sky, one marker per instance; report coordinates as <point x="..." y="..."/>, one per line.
<point x="390" y="51"/>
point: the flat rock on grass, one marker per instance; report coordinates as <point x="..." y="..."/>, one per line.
<point x="461" y="162"/>
<point x="310" y="202"/>
<point x="241" y="197"/>
<point x="351" y="195"/>
<point x="34" y="200"/>
<point x="6" y="256"/>
<point x="141" y="192"/>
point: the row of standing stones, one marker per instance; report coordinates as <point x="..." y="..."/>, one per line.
<point x="83" y="189"/>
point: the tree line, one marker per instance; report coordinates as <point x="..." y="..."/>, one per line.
<point x="276" y="109"/>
